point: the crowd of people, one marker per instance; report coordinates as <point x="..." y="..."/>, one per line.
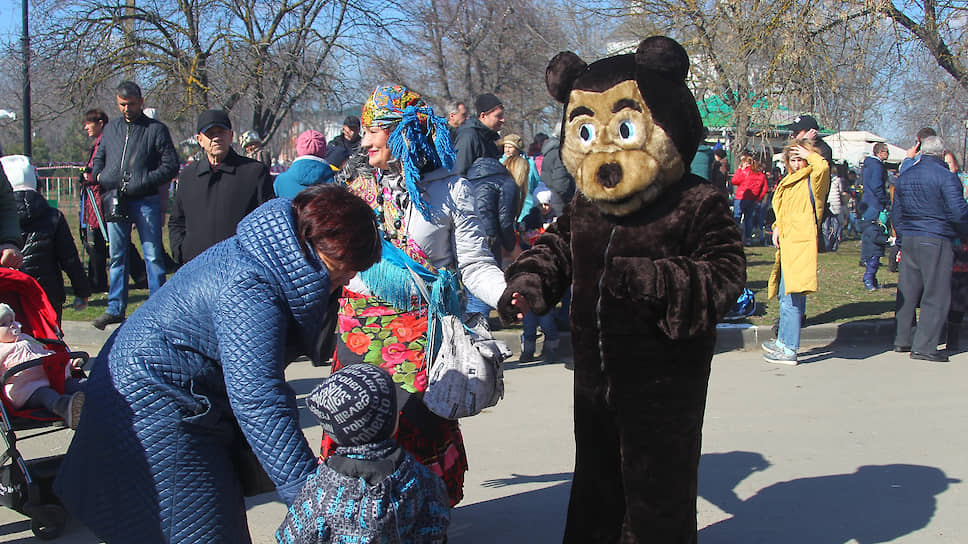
<point x="261" y="280"/>
<point x="192" y="385"/>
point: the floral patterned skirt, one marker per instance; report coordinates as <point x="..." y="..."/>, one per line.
<point x="373" y="332"/>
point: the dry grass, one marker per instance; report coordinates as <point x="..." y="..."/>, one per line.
<point x="841" y="296"/>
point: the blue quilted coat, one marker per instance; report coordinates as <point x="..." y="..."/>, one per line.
<point x="202" y="359"/>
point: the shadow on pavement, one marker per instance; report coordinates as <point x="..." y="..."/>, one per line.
<point x="831" y="351"/>
<point x="532" y="516"/>
<point x="853" y="309"/>
<point x="877" y="503"/>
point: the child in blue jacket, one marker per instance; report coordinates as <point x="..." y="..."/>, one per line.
<point x="370" y="489"/>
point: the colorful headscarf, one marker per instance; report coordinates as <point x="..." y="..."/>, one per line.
<point x="418" y="138"/>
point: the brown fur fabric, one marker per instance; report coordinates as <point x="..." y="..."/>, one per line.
<point x="654" y="260"/>
<point x="648" y="290"/>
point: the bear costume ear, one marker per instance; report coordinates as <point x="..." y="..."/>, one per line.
<point x="663" y="55"/>
<point x="561" y="73"/>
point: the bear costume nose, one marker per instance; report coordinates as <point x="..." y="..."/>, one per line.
<point x="609" y="175"/>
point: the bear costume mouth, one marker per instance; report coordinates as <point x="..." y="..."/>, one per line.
<point x="609" y="175"/>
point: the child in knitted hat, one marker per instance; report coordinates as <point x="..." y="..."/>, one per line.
<point x="30" y="388"/>
<point x="308" y="168"/>
<point x="370" y="489"/>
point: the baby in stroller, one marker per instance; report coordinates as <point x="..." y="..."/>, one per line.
<point x="30" y="388"/>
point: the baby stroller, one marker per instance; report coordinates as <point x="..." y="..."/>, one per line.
<point x="25" y="485"/>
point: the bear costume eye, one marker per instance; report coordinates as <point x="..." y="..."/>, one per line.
<point x="586" y="132"/>
<point x="626" y="130"/>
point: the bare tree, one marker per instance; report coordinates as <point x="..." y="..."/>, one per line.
<point x="939" y="26"/>
<point x="197" y="54"/>
<point x="457" y="49"/>
<point x="746" y="55"/>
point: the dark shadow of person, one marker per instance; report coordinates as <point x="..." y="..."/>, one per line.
<point x="720" y="473"/>
<point x="876" y="503"/>
<point x="531" y="516"/>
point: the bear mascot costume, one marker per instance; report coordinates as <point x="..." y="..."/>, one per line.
<point x="654" y="260"/>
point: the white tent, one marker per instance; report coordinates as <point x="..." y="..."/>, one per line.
<point x="854" y="146"/>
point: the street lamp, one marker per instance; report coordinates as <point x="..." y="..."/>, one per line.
<point x="964" y="147"/>
<point x="25" y="41"/>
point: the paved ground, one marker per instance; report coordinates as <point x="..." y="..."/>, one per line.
<point x="857" y="445"/>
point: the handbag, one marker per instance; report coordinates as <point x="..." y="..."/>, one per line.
<point x="465" y="373"/>
<point x="112" y="206"/>
<point x="113" y="203"/>
<point x="826" y="241"/>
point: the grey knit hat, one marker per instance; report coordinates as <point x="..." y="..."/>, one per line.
<point x="356" y="405"/>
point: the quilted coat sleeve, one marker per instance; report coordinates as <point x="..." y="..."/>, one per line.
<point x="689" y="293"/>
<point x="542" y="273"/>
<point x="478" y="269"/>
<point x="507" y="205"/>
<point x="250" y="324"/>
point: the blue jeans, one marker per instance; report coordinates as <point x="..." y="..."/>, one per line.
<point x="530" y="323"/>
<point x="146" y="216"/>
<point x="750" y="209"/>
<point x="561" y="313"/>
<point x="792" y="307"/>
<point x="475" y="304"/>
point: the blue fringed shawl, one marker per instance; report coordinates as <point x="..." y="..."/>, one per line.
<point x="416" y="147"/>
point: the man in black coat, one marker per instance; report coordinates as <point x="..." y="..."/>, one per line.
<point x="478" y="136"/>
<point x="136" y="156"/>
<point x="805" y="126"/>
<point x="216" y="192"/>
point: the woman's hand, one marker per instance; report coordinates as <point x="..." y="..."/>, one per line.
<point x="801" y="152"/>
<point x="521" y="303"/>
<point x="776" y="237"/>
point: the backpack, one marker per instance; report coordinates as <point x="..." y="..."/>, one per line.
<point x="744" y="307"/>
<point x="827" y="226"/>
<point x="828" y="229"/>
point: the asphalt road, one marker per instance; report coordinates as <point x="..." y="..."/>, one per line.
<point x="855" y="445"/>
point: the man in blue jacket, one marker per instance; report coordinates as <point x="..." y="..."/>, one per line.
<point x="913" y="154"/>
<point x="135" y="157"/>
<point x="929" y="212"/>
<point x="875" y="200"/>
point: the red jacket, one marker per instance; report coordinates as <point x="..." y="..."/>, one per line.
<point x="89" y="218"/>
<point x="750" y="185"/>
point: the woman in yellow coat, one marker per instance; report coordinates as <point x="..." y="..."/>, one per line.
<point x="794" y="272"/>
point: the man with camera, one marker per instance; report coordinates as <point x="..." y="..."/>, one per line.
<point x="135" y="156"/>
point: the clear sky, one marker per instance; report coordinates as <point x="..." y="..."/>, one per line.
<point x="10" y="18"/>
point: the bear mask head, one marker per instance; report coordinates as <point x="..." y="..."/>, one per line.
<point x="630" y="123"/>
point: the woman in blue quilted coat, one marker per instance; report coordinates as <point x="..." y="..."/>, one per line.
<point x="198" y="371"/>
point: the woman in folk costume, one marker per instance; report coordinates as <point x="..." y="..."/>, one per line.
<point x="430" y="229"/>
